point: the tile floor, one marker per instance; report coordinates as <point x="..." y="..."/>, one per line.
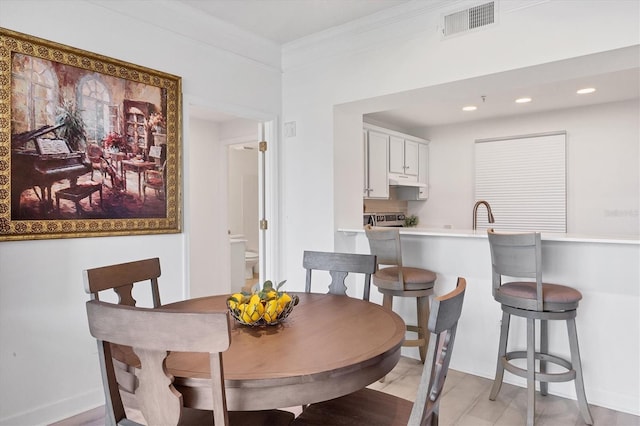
<point x="464" y="403"/>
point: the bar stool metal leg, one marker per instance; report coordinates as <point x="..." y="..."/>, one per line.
<point x="544" y="349"/>
<point x="502" y="352"/>
<point x="577" y="366"/>
<point x="531" y="370"/>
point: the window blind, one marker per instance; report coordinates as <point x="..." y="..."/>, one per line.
<point x="524" y="180"/>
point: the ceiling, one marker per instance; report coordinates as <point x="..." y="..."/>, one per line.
<point x="495" y="95"/>
<point x="283" y="21"/>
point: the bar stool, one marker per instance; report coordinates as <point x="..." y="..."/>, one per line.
<point x="519" y="255"/>
<point x="401" y="281"/>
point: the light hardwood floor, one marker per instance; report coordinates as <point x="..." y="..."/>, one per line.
<point x="465" y="403"/>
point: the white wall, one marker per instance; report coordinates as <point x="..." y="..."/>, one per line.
<point x="603" y="181"/>
<point x="48" y="361"/>
<point x="329" y="82"/>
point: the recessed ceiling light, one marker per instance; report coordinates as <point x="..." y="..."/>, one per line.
<point x="586" y="90"/>
<point x="523" y="100"/>
<point x="470" y="108"/>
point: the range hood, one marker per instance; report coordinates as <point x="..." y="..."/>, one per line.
<point x="405" y="182"/>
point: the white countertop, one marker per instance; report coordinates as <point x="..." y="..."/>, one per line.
<point x="482" y="233"/>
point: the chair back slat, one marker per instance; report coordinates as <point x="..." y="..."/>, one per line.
<point x="517" y="255"/>
<point x="443" y="322"/>
<point x="152" y="333"/>
<point x="122" y="277"/>
<point x="339" y="265"/>
<point x="384" y="243"/>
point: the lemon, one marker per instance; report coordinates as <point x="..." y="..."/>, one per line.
<point x="271" y="311"/>
<point x="283" y="301"/>
<point x="254" y="310"/>
<point x="246" y="317"/>
<point x="271" y="295"/>
<point x="234" y="300"/>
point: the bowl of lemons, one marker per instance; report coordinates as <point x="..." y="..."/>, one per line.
<point x="268" y="306"/>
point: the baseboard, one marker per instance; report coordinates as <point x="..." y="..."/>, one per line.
<point x="609" y="400"/>
<point x="56" y="411"/>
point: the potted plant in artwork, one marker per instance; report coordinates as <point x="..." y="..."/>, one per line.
<point x="114" y="142"/>
<point x="73" y="130"/>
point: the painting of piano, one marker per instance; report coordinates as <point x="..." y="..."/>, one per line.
<point x="89" y="145"/>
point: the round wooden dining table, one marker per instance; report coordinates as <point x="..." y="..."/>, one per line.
<point x="329" y="346"/>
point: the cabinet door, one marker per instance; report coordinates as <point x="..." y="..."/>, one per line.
<point x="411" y="158"/>
<point x="377" y="150"/>
<point x="365" y="152"/>
<point x="396" y="155"/>
<point x="423" y="170"/>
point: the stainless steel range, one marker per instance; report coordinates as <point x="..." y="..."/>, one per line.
<point x="393" y="219"/>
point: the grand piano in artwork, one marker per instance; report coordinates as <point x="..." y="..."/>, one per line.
<point x="39" y="162"/>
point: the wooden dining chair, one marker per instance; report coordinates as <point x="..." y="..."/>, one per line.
<point x="153" y="334"/>
<point x="121" y="279"/>
<point x="368" y="407"/>
<point x="339" y="265"/>
<point x="393" y="279"/>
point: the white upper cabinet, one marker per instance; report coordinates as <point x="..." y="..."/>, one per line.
<point x="403" y="156"/>
<point x="396" y="159"/>
<point x="423" y="171"/>
<point x="376" y="154"/>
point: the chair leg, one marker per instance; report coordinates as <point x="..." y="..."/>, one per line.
<point x="423" y="322"/>
<point x="531" y="370"/>
<point x="435" y="416"/>
<point x="387" y="302"/>
<point x="544" y="349"/>
<point x="502" y="351"/>
<point x="577" y="366"/>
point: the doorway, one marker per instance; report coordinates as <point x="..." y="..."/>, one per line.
<point x="243" y="212"/>
<point x="208" y="226"/>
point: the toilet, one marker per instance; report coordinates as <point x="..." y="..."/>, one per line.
<point x="250" y="261"/>
<point x="251" y="257"/>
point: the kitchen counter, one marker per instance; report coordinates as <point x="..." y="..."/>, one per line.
<point x="482" y="233"/>
<point x="605" y="269"/>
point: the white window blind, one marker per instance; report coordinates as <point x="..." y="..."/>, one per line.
<point x="524" y="180"/>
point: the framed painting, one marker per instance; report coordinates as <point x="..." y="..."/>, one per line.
<point x="89" y="145"/>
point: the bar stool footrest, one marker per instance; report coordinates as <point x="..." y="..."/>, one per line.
<point x="565" y="376"/>
<point x="414" y="342"/>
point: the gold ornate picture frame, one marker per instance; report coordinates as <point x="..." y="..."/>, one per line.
<point x="89" y="145"/>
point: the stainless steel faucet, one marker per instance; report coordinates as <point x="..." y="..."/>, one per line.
<point x="475" y="213"/>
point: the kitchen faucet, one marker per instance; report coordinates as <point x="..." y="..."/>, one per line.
<point x="475" y="213"/>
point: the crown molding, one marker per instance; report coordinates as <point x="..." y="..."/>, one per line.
<point x="186" y="21"/>
<point x="403" y="21"/>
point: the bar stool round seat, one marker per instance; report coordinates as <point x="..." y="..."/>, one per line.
<point x="396" y="280"/>
<point x="519" y="255"/>
<point x="414" y="278"/>
<point x="555" y="297"/>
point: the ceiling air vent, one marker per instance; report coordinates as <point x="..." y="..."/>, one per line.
<point x="469" y="19"/>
